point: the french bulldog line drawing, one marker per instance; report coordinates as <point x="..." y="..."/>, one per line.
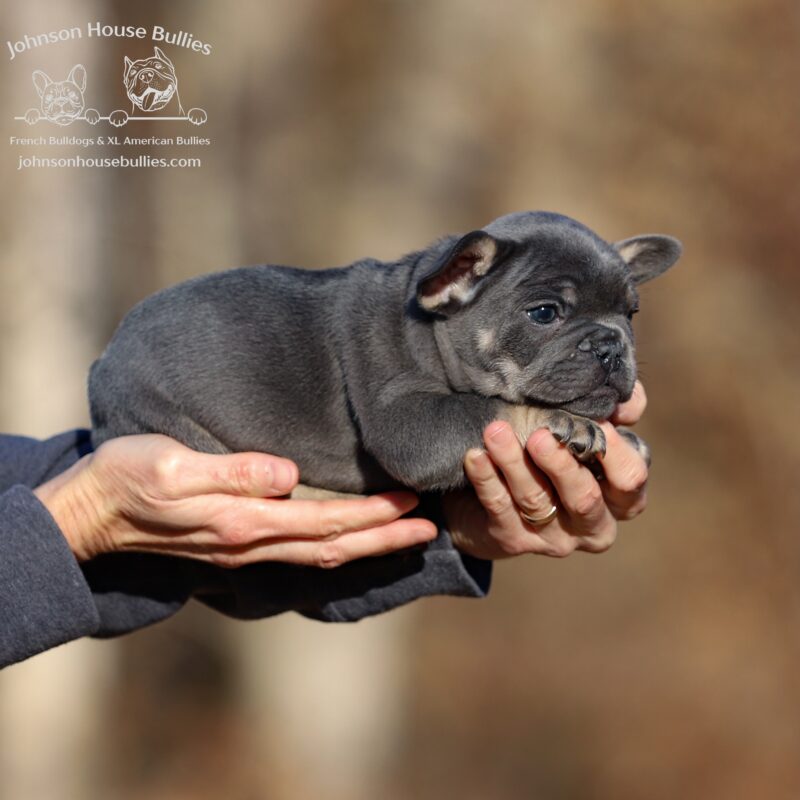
<point x="384" y="374"/>
<point x="152" y="85"/>
<point x="62" y="102"/>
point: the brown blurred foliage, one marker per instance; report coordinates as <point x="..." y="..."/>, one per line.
<point x="667" y="667"/>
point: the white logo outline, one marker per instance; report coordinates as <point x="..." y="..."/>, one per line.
<point x="151" y="85"/>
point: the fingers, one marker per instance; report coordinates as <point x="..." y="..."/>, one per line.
<point x="507" y="484"/>
<point x="233" y="547"/>
<point x="335" y="551"/>
<point x="489" y="487"/>
<point x="528" y="488"/>
<point x="181" y="472"/>
<point x="578" y="492"/>
<point x="508" y="534"/>
<point x="625" y="487"/>
<point x="318" y="519"/>
<point x="227" y="521"/>
<point x="630" y="412"/>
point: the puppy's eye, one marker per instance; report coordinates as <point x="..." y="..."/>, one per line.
<point x="632" y="312"/>
<point x="544" y="314"/>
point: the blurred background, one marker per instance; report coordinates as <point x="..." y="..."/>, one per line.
<point x="668" y="667"/>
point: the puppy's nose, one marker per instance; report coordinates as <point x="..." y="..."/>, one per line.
<point x="607" y="348"/>
<point x="609" y="352"/>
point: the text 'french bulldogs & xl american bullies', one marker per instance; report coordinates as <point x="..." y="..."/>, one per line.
<point x="379" y="375"/>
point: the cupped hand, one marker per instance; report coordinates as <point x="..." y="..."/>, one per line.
<point x="149" y="493"/>
<point x="507" y="479"/>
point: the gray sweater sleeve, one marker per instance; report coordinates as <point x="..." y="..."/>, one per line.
<point x="44" y="598"/>
<point x="47" y="598"/>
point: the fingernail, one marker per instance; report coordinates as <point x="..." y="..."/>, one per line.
<point x="477" y="457"/>
<point x="283" y="477"/>
<point x="404" y="500"/>
<point x="500" y="434"/>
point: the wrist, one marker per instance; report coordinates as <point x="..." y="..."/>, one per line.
<point x="79" y="508"/>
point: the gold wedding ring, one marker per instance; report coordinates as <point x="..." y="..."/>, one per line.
<point x="539" y="522"/>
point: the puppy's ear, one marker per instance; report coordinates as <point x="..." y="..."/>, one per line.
<point x="456" y="280"/>
<point x="649" y="255"/>
<point x="77" y="76"/>
<point x="41" y="81"/>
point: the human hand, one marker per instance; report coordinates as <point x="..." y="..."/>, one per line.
<point x="485" y="521"/>
<point x="149" y="493"/>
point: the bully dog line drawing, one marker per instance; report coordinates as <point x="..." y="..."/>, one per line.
<point x="150" y="84"/>
<point x="62" y="102"/>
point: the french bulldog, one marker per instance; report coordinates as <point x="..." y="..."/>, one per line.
<point x="151" y="85"/>
<point x="62" y="102"/>
<point x="379" y="375"/>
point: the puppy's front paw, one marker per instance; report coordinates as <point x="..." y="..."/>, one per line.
<point x="32" y="116"/>
<point x="583" y="437"/>
<point x="92" y="116"/>
<point x="197" y="116"/>
<point x="118" y="118"/>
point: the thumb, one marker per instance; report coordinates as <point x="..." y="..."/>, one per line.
<point x="243" y="474"/>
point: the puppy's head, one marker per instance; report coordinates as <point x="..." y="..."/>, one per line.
<point x="150" y="82"/>
<point x="61" y="101"/>
<point x="537" y="308"/>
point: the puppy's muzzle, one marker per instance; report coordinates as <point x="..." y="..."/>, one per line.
<point x="606" y="345"/>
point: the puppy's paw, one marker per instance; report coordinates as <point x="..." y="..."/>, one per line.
<point x="197" y="116"/>
<point x="92" y="116"/>
<point x="118" y="118"/>
<point x="32" y="116"/>
<point x="637" y="443"/>
<point x="583" y="437"/>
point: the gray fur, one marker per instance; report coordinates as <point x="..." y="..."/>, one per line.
<point x="384" y="374"/>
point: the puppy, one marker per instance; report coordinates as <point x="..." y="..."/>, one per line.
<point x="380" y="375"/>
<point x="151" y="85"/>
<point x="62" y="102"/>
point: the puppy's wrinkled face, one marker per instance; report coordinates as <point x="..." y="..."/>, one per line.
<point x="61" y="101"/>
<point x="537" y="308"/>
<point x="150" y="82"/>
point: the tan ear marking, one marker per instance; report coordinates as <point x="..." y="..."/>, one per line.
<point x="630" y="250"/>
<point x="457" y="280"/>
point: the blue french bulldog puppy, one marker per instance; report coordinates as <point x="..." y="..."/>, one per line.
<point x="379" y="375"/>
